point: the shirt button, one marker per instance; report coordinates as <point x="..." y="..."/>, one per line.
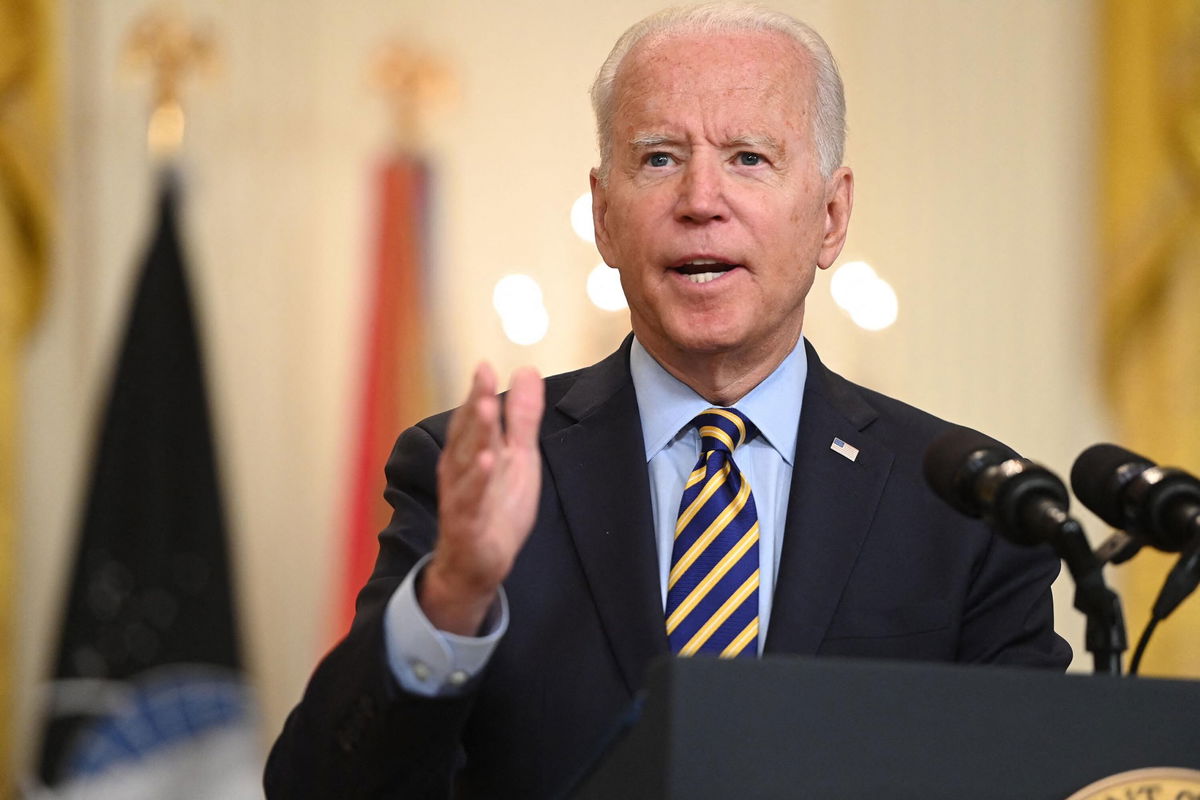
<point x="420" y="670"/>
<point x="458" y="677"/>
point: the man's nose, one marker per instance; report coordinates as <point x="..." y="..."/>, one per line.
<point x="701" y="193"/>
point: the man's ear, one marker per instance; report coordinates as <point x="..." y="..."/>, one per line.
<point x="839" y="203"/>
<point x="599" y="214"/>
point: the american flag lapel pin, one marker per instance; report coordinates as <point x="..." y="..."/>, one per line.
<point x="847" y="450"/>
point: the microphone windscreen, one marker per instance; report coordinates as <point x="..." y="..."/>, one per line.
<point x="1099" y="476"/>
<point x="955" y="459"/>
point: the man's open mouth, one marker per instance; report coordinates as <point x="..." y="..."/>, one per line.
<point x="703" y="270"/>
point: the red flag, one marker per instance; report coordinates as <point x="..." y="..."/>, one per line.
<point x="396" y="386"/>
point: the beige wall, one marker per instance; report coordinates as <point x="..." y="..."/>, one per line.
<point x="971" y="136"/>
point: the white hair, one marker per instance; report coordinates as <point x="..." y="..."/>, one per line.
<point x="829" y="121"/>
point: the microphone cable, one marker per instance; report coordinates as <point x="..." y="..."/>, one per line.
<point x="1143" y="640"/>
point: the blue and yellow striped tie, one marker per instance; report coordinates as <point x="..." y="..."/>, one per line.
<point x="712" y="591"/>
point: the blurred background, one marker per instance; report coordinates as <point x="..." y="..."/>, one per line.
<point x="1024" y="194"/>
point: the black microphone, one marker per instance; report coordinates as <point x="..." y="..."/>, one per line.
<point x="1131" y="492"/>
<point x="1027" y="504"/>
<point x="981" y="477"/>
<point x="1160" y="505"/>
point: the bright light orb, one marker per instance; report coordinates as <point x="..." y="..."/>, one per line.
<point x="604" y="288"/>
<point x="851" y="281"/>
<point x="877" y="308"/>
<point x="523" y="317"/>
<point x="870" y="301"/>
<point x="581" y="218"/>
<point x="514" y="293"/>
<point x="528" y="328"/>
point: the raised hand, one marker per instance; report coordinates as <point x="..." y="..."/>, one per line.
<point x="489" y="479"/>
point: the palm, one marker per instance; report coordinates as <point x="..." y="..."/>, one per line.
<point x="489" y="480"/>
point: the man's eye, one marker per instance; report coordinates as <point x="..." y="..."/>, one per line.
<point x="658" y="159"/>
<point x="749" y="159"/>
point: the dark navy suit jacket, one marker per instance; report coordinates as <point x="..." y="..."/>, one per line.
<point x="873" y="565"/>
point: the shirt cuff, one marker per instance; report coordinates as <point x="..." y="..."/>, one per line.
<point x="428" y="661"/>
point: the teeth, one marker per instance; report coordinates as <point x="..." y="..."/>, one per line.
<point x="705" y="277"/>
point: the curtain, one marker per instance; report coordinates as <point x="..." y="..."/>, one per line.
<point x="27" y="136"/>
<point x="1150" y="278"/>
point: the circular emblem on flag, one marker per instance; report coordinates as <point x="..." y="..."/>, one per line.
<point x="1168" y="783"/>
<point x="174" y="705"/>
<point x="188" y="717"/>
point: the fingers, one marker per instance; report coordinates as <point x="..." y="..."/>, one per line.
<point x="474" y="426"/>
<point x="483" y="384"/>
<point x="488" y="489"/>
<point x="523" y="409"/>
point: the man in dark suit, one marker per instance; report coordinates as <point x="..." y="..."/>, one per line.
<point x="526" y="579"/>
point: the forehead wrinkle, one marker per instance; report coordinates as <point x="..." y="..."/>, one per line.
<point x="653" y="82"/>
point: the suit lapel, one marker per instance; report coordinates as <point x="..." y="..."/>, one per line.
<point x="830" y="509"/>
<point x="598" y="465"/>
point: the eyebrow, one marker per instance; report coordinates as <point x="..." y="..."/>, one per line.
<point x="767" y="143"/>
<point x="644" y="140"/>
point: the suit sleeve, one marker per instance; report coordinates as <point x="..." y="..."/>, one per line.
<point x="1009" y="617"/>
<point x="356" y="733"/>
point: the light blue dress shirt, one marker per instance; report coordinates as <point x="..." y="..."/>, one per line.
<point x="667" y="407"/>
<point x="430" y="662"/>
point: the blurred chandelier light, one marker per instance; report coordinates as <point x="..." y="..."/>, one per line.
<point x="604" y="288"/>
<point x="581" y="218"/>
<point x="523" y="316"/>
<point x="869" y="300"/>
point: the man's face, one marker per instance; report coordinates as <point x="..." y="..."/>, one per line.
<point x="714" y="211"/>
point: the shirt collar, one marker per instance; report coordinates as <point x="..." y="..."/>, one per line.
<point x="667" y="405"/>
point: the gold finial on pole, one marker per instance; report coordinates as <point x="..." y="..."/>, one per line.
<point x="164" y="43"/>
<point x="414" y="84"/>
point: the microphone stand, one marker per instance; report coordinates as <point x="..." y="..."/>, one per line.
<point x="1105" y="633"/>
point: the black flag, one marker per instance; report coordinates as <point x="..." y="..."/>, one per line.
<point x="148" y="658"/>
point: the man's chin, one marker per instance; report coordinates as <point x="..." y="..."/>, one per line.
<point x="702" y="341"/>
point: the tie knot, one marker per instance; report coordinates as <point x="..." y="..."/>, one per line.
<point x="723" y="429"/>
